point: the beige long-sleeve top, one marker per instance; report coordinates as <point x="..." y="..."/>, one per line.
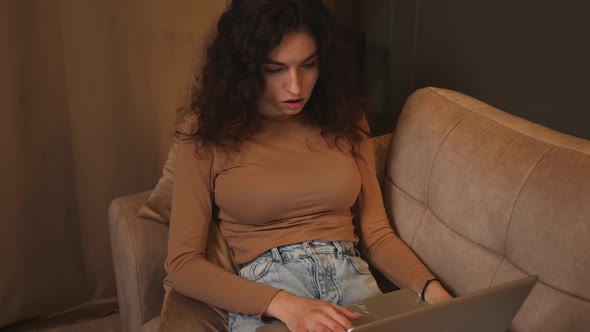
<point x="285" y="186"/>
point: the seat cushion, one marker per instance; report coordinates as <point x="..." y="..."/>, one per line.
<point x="181" y="313"/>
<point x="152" y="325"/>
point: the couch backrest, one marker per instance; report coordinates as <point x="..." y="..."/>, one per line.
<point x="484" y="197"/>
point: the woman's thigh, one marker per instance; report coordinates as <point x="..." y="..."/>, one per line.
<point x="293" y="278"/>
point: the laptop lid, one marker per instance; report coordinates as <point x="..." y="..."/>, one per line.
<point x="487" y="310"/>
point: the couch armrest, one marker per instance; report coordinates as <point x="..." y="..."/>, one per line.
<point x="139" y="249"/>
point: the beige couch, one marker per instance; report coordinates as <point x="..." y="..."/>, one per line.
<point x="481" y="196"/>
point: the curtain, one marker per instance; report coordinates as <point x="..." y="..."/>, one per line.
<point x="88" y="93"/>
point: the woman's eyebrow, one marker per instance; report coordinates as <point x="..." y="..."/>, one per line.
<point x="273" y="62"/>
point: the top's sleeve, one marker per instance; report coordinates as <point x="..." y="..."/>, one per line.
<point x="189" y="272"/>
<point x="380" y="245"/>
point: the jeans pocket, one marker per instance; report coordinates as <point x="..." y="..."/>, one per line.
<point x="256" y="270"/>
<point x="359" y="264"/>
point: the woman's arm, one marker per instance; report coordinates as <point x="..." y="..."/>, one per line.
<point x="381" y="246"/>
<point x="188" y="269"/>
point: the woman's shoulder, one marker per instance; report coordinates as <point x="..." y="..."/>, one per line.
<point x="187" y="136"/>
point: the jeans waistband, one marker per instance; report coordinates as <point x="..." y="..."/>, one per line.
<point x="305" y="249"/>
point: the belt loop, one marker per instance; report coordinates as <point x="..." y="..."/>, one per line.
<point x="339" y="249"/>
<point x="309" y="247"/>
<point x="276" y="255"/>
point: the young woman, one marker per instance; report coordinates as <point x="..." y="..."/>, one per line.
<point x="276" y="146"/>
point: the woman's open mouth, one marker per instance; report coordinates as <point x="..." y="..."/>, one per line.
<point x="294" y="103"/>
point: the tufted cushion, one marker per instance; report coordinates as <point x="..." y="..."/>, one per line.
<point x="484" y="197"/>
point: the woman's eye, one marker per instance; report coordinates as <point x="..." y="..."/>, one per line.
<point x="273" y="70"/>
<point x="309" y="64"/>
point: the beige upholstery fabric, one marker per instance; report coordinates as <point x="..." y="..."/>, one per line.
<point x="139" y="249"/>
<point x="181" y="313"/>
<point x="157" y="207"/>
<point x="484" y="197"/>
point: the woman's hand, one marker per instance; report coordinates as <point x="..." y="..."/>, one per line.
<point x="302" y="314"/>
<point x="436" y="293"/>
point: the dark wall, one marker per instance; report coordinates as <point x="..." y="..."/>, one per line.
<point x="529" y="58"/>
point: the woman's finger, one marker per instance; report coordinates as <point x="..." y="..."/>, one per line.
<point x="336" y="319"/>
<point x="349" y="314"/>
<point x="332" y="322"/>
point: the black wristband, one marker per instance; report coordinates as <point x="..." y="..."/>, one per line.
<point x="423" y="292"/>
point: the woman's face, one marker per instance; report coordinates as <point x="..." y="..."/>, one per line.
<point x="290" y="72"/>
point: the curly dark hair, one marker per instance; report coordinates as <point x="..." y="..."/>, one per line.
<point x="225" y="94"/>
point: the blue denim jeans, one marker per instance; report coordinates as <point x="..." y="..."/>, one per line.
<point x="329" y="271"/>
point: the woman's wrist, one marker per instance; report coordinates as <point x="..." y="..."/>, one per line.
<point x="276" y="305"/>
<point x="435" y="292"/>
<point x="425" y="287"/>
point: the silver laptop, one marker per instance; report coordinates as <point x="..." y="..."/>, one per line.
<point x="487" y="310"/>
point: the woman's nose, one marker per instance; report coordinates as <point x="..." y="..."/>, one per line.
<point x="294" y="83"/>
